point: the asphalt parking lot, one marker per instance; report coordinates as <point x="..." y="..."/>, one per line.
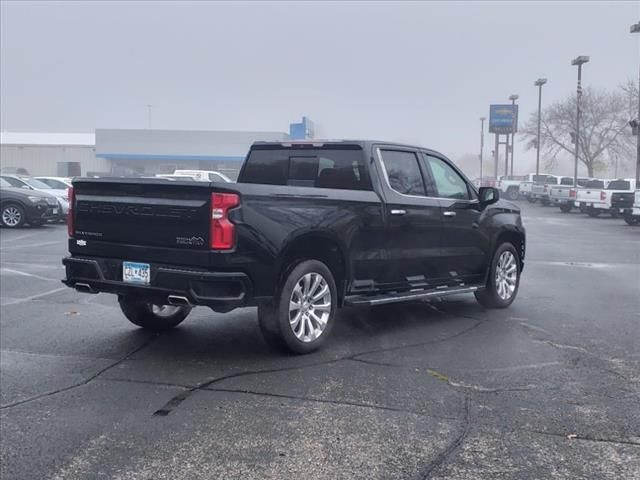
<point x="549" y="388"/>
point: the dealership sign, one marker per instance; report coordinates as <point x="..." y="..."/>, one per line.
<point x="501" y="118"/>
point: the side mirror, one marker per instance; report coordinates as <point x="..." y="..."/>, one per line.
<point x="488" y="195"/>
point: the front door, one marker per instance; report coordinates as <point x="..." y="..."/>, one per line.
<point x="413" y="222"/>
<point x="465" y="249"/>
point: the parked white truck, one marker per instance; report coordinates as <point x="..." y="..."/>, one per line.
<point x="596" y="201"/>
<point x="564" y="195"/>
<point x="541" y="190"/>
<point x="527" y="184"/>
<point x="509" y="185"/>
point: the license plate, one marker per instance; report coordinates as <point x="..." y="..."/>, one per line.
<point x="134" y="272"/>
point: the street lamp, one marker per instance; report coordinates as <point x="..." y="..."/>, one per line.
<point x="482" y="119"/>
<point x="539" y="83"/>
<point x="579" y="61"/>
<point x="635" y="28"/>
<point x="513" y="99"/>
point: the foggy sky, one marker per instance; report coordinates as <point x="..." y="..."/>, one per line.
<point x="414" y="72"/>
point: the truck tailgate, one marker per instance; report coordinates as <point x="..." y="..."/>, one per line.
<point x="143" y="212"/>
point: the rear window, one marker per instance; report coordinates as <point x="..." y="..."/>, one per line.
<point x="595" y="184"/>
<point x="340" y="166"/>
<point x="567" y="181"/>
<point x="539" y="178"/>
<point x="619" y="185"/>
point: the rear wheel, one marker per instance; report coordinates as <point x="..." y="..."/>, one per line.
<point x="513" y="193"/>
<point x="614" y="213"/>
<point x="632" y="220"/>
<point x="565" y="207"/>
<point x="303" y="313"/>
<point x="151" y="316"/>
<point x="531" y="200"/>
<point x="593" y="212"/>
<point x="12" y="215"/>
<point x="504" y="279"/>
<point x="544" y="202"/>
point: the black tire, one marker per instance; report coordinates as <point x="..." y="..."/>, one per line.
<point x="631" y="220"/>
<point x="143" y="314"/>
<point x="614" y="213"/>
<point x="275" y="318"/>
<point x="12" y="215"/>
<point x="532" y="200"/>
<point x="545" y="202"/>
<point x="593" y="212"/>
<point x="513" y="193"/>
<point x="565" y="207"/>
<point x="490" y="296"/>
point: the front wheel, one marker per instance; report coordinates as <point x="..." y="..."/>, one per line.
<point x="565" y="207"/>
<point x="303" y="313"/>
<point x="12" y="215"/>
<point x="531" y="199"/>
<point x="151" y="316"/>
<point x="504" y="279"/>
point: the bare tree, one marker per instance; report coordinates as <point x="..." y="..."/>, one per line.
<point x="604" y="132"/>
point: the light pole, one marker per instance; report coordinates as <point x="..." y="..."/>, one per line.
<point x="579" y="61"/>
<point x="482" y="119"/>
<point x="149" y="107"/>
<point x="635" y="28"/>
<point x="513" y="99"/>
<point x="539" y="83"/>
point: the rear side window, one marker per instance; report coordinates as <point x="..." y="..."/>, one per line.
<point x="403" y="172"/>
<point x="619" y="185"/>
<point x="341" y="168"/>
<point x="595" y="184"/>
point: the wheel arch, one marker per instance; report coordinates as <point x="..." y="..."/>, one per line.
<point x="324" y="246"/>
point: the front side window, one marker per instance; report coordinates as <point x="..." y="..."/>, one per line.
<point x="403" y="172"/>
<point x="448" y="182"/>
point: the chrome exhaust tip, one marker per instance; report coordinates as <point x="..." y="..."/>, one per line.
<point x="84" y="288"/>
<point x="178" y="301"/>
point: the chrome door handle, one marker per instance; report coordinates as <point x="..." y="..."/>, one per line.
<point x="449" y="213"/>
<point x="398" y="212"/>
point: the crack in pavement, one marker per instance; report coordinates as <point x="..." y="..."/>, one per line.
<point x="453" y="446"/>
<point x="144" y="344"/>
<point x="333" y="402"/>
<point x="181" y="397"/>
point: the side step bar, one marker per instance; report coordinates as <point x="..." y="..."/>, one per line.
<point x="360" y="300"/>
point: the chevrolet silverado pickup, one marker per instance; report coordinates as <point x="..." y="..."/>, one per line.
<point x="308" y="228"/>
<point x="564" y="195"/>
<point x="526" y="186"/>
<point x="598" y="202"/>
<point x="633" y="217"/>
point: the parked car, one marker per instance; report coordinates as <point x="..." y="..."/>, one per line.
<point x="57" y="183"/>
<point x="633" y="217"/>
<point x="308" y="228"/>
<point x="32" y="183"/>
<point x="600" y="201"/>
<point x="19" y="206"/>
<point x="509" y="185"/>
<point x="171" y="176"/>
<point x="526" y="186"/>
<point x="204" y="175"/>
<point x="564" y="194"/>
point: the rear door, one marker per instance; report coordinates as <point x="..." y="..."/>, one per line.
<point x="413" y="222"/>
<point x="465" y="249"/>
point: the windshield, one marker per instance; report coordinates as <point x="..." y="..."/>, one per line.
<point x="4" y="183"/>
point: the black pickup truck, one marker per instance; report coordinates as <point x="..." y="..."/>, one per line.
<point x="308" y="228"/>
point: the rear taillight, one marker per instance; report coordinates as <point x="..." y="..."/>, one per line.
<point x="546" y="187"/>
<point x="603" y="195"/>
<point x="572" y="193"/>
<point x="72" y="199"/>
<point x="222" y="235"/>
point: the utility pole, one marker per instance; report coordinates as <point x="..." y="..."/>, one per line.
<point x="482" y="119"/>
<point x="149" y="107"/>
<point x="635" y="28"/>
<point x="514" y="126"/>
<point x="539" y="83"/>
<point x="579" y="61"/>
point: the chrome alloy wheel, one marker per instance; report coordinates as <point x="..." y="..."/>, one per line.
<point x="506" y="275"/>
<point x="11" y="216"/>
<point x="164" y="310"/>
<point x="309" y="307"/>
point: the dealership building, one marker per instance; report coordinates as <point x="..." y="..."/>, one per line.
<point x="134" y="152"/>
